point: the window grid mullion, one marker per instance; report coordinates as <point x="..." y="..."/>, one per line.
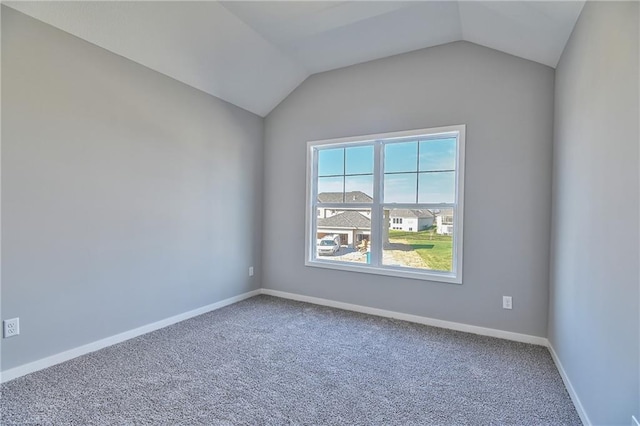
<point x="377" y="215"/>
<point x="314" y="205"/>
<point x="404" y="173"/>
<point x="344" y="174"/>
<point x="420" y="206"/>
<point x="344" y="206"/>
<point x="417" y="170"/>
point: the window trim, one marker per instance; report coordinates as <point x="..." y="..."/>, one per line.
<point x="377" y="207"/>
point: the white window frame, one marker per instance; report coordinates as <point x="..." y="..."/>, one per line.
<point x="377" y="207"/>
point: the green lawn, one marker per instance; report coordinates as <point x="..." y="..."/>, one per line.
<point x="436" y="250"/>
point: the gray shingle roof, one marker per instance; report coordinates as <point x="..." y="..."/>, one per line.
<point x="349" y="197"/>
<point x="422" y="214"/>
<point x="348" y="219"/>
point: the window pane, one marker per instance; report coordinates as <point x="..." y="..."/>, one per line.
<point x="359" y="160"/>
<point x="400" y="188"/>
<point x="438" y="154"/>
<point x="401" y="157"/>
<point x="330" y="162"/>
<point x="358" y="189"/>
<point x="418" y="238"/>
<point x="344" y="235"/>
<point x="330" y="189"/>
<point x="437" y="187"/>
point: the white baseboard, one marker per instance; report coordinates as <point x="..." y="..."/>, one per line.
<point x="567" y="383"/>
<point x="112" y="340"/>
<point x="508" y="335"/>
<point x="49" y="361"/>
<point x="634" y="421"/>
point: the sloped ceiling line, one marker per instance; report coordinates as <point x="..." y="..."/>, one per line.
<point x="253" y="54"/>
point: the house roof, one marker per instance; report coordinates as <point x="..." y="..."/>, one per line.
<point x="349" y="197"/>
<point x="421" y="214"/>
<point x="348" y="219"/>
<point x="443" y="212"/>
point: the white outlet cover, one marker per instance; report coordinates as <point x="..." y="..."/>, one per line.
<point x="250" y="271"/>
<point x="11" y="327"/>
<point x="507" y="302"/>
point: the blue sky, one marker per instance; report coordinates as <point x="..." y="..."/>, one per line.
<point x="401" y="181"/>
<point x="358" y="160"/>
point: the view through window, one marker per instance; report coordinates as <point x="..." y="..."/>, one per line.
<point x="388" y="204"/>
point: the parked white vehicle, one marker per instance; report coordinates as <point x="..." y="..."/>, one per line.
<point x="329" y="245"/>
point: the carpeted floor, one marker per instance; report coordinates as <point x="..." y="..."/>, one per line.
<point x="268" y="361"/>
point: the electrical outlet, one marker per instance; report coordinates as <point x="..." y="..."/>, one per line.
<point x="250" y="271"/>
<point x="507" y="302"/>
<point x="11" y="327"/>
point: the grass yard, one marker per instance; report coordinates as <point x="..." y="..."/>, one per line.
<point x="436" y="250"/>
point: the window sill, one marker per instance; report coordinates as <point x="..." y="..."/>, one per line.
<point x="397" y="272"/>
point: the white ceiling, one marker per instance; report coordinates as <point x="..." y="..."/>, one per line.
<point x="253" y="54"/>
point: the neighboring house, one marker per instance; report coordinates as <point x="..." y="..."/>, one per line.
<point x="410" y="220"/>
<point x="339" y="197"/>
<point x="351" y="225"/>
<point x="444" y="222"/>
<point x="354" y="225"/>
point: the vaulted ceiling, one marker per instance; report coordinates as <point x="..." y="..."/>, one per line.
<point x="254" y="53"/>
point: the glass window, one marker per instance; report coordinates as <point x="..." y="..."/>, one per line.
<point x="392" y="204"/>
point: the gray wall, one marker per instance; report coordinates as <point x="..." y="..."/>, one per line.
<point x="507" y="105"/>
<point x="593" y="314"/>
<point x="127" y="197"/>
